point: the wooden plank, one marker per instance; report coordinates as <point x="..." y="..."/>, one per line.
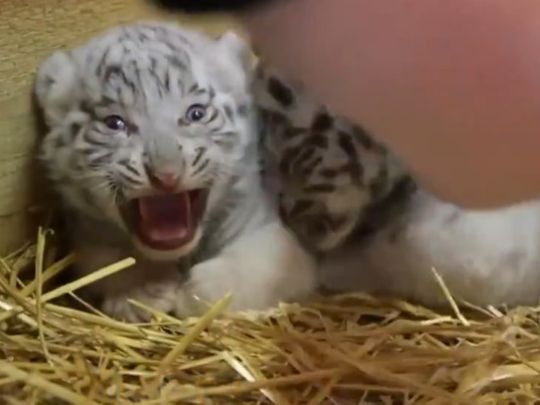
<point x="29" y="31"/>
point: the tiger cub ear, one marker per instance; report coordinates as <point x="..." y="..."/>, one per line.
<point x="55" y="86"/>
<point x="239" y="48"/>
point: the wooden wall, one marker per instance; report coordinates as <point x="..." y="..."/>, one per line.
<point x="29" y="31"/>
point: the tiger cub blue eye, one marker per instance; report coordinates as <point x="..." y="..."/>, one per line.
<point x="196" y="113"/>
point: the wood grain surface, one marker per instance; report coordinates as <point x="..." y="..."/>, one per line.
<point x="29" y="31"/>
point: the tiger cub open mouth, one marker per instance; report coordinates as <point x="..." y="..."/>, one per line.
<point x="165" y="221"/>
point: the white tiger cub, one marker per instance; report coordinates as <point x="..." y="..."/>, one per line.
<point x="152" y="146"/>
<point x="386" y="233"/>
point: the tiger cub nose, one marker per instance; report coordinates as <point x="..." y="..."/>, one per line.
<point x="165" y="179"/>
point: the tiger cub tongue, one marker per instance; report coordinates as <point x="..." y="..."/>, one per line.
<point x="165" y="218"/>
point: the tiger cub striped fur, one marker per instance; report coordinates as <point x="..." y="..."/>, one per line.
<point x="330" y="174"/>
<point x="373" y="228"/>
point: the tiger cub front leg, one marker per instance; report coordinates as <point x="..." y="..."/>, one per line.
<point x="260" y="269"/>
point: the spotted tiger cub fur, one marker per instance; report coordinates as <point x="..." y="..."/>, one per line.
<point x="152" y="146"/>
<point x="330" y="174"/>
<point x="375" y="230"/>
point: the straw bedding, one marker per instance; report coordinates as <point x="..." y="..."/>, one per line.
<point x="336" y="350"/>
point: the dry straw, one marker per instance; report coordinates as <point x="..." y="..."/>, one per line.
<point x="342" y="350"/>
